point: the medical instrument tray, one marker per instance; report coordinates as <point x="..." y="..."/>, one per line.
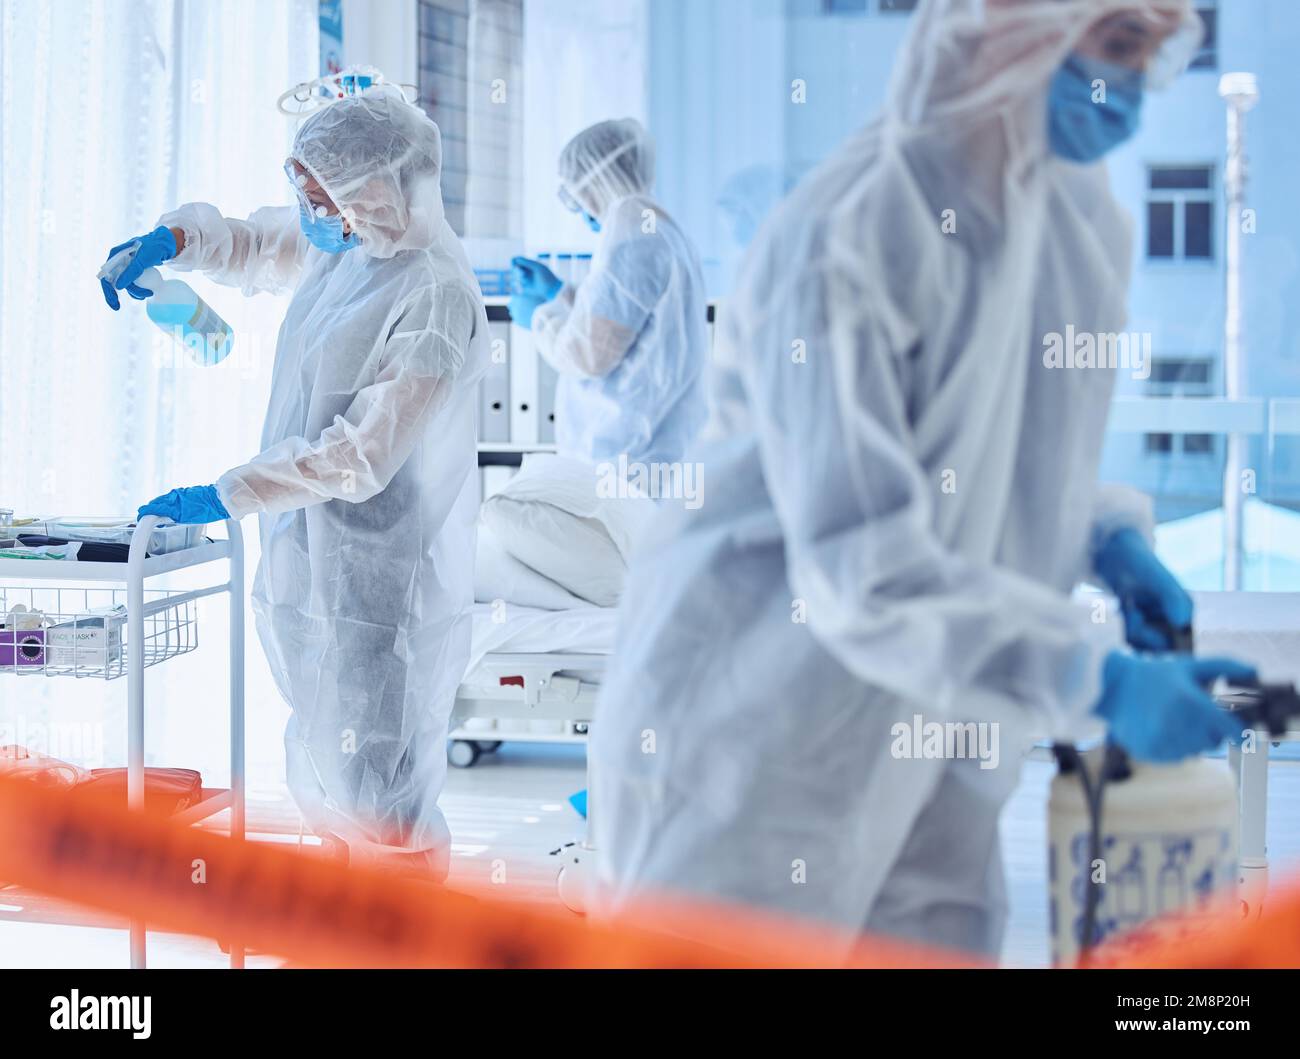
<point x="165" y="539"/>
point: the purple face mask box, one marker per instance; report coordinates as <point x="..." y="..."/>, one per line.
<point x="22" y="647"/>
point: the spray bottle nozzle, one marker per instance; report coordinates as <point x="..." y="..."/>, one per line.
<point x="1267" y="706"/>
<point x="116" y="265"/>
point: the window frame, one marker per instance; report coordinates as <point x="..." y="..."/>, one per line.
<point x="1180" y="389"/>
<point x="867" y="8"/>
<point x="1210" y="46"/>
<point x="1183" y="387"/>
<point x="1179" y="198"/>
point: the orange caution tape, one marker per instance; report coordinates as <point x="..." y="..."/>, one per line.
<point x="1221" y="939"/>
<point x="317" y="913"/>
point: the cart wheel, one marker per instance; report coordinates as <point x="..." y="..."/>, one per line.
<point x="491" y="746"/>
<point x="462" y="753"/>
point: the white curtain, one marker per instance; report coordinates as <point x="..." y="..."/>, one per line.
<point x="584" y="61"/>
<point x="495" y="140"/>
<point x="113" y="111"/>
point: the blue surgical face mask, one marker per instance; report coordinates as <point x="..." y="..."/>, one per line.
<point x="325" y="233"/>
<point x="1080" y="129"/>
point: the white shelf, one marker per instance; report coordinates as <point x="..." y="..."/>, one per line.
<point x="499" y="446"/>
<point x="74" y="570"/>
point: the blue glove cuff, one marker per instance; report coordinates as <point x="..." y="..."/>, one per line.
<point x="1112" y="670"/>
<point x="1124" y="536"/>
<point x="167" y="241"/>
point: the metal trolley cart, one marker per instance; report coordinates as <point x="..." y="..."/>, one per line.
<point x="83" y="631"/>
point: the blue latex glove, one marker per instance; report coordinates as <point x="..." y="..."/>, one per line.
<point x="534" y="280"/>
<point x="522" y="308"/>
<point x="1157" y="708"/>
<point x="155" y="248"/>
<point x="1149" y="595"/>
<point x="191" y="504"/>
<point x="579" y="802"/>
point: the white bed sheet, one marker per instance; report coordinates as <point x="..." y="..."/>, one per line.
<point x="528" y="630"/>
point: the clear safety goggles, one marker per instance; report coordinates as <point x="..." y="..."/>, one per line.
<point x="568" y="201"/>
<point x="1159" y="45"/>
<point x="299" y="181"/>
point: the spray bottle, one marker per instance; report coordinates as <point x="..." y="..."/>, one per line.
<point x="192" y="322"/>
<point x="178" y="310"/>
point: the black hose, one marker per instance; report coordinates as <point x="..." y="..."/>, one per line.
<point x="1115" y="766"/>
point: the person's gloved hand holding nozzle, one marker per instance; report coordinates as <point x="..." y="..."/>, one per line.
<point x="123" y="266"/>
<point x="1160" y="709"/>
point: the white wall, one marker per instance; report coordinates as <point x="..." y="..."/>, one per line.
<point x="382" y="33"/>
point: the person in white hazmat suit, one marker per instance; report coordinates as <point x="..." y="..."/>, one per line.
<point x="630" y="341"/>
<point x="904" y="493"/>
<point x="365" y="485"/>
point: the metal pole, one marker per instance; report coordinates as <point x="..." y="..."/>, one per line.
<point x="1241" y="94"/>
<point x="136" y="557"/>
<point x="237" y="778"/>
<point x="1252" y="849"/>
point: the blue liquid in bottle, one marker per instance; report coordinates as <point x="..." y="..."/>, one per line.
<point x="191" y="321"/>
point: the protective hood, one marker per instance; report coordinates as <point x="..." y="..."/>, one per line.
<point x="380" y="159"/>
<point x="969" y="64"/>
<point x="608" y="162"/>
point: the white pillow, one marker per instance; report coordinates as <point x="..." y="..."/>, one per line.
<point x="499" y="575"/>
<point x="551" y="518"/>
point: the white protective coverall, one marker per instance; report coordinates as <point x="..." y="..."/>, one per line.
<point x="630" y="342"/>
<point x="902" y="496"/>
<point x="365" y="482"/>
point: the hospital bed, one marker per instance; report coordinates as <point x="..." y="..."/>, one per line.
<point x="534" y="676"/>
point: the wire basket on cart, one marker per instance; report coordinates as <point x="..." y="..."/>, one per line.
<point x="82" y="632"/>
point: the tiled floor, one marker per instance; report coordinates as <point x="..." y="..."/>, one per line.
<point x="510" y="811"/>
